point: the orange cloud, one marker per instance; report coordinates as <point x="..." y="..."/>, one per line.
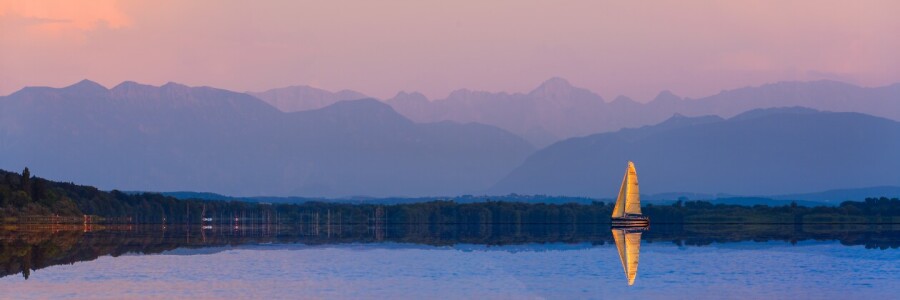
<point x="60" y="15"/>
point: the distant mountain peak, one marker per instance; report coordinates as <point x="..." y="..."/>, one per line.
<point x="306" y="91"/>
<point x="410" y="96"/>
<point x="177" y="90"/>
<point x="304" y="97"/>
<point x="364" y="106"/>
<point x="558" y="89"/>
<point x="555" y="82"/>
<point x="666" y="96"/>
<point x="555" y="85"/>
<point x="171" y="85"/>
<point x="131" y="88"/>
<point x="460" y="93"/>
<point x="676" y="121"/>
<point x="345" y="93"/>
<point x="366" y="111"/>
<point x="129" y="85"/>
<point x="86" y="86"/>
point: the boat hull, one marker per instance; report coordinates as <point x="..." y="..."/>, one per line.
<point x="631" y="221"/>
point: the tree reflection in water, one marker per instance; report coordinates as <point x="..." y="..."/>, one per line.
<point x="33" y="247"/>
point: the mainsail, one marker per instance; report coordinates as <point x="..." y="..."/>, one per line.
<point x="629" y="246"/>
<point x="629" y="200"/>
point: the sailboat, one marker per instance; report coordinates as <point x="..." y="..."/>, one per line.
<point x="627" y="212"/>
<point x="628" y="241"/>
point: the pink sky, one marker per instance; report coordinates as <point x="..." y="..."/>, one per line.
<point x="635" y="48"/>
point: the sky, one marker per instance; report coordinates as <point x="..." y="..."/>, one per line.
<point x="633" y="48"/>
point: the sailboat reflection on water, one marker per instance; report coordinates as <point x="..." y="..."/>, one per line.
<point x="628" y="242"/>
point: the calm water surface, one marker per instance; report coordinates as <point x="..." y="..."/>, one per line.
<point x="458" y="261"/>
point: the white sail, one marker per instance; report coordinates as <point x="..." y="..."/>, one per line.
<point x="629" y="200"/>
<point x="619" y="210"/>
<point x="632" y="195"/>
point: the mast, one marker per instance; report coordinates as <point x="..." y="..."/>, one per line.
<point x="632" y="194"/>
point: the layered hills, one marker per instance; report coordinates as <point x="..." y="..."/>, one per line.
<point x="556" y="109"/>
<point x="175" y="137"/>
<point x="765" y="151"/>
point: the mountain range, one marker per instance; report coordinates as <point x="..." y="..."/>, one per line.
<point x="304" y="97"/>
<point x="557" y="110"/>
<point x="174" y="137"/>
<point x="763" y="151"/>
<point x="179" y="138"/>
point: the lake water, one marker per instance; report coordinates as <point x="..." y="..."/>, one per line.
<point x="451" y="261"/>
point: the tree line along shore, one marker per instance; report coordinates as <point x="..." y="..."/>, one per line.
<point x="25" y="198"/>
